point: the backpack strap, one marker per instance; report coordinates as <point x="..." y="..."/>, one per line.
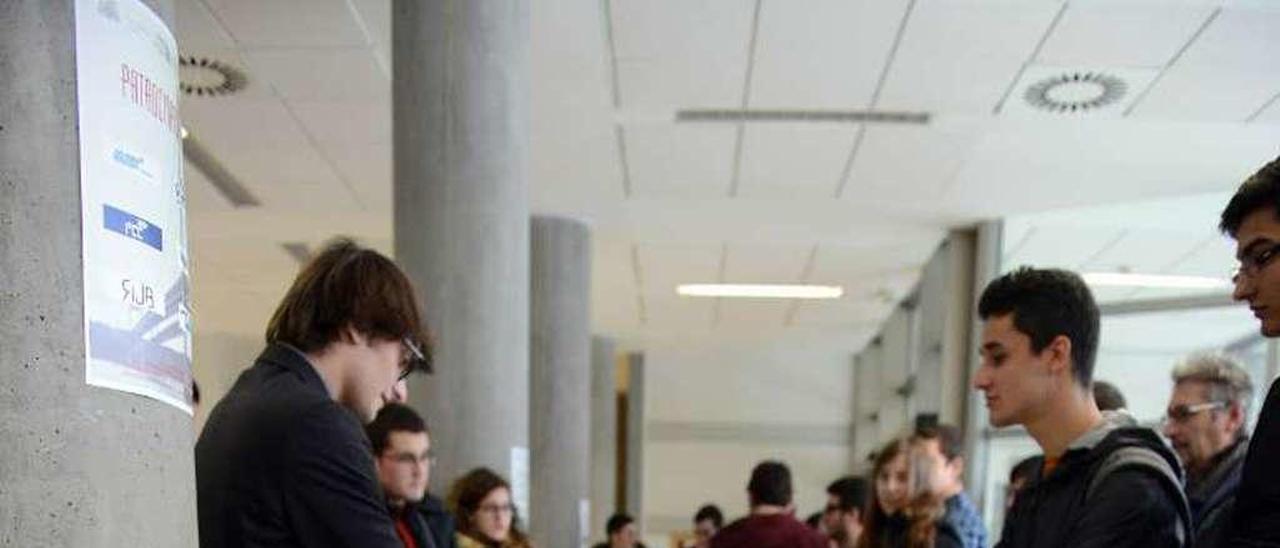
<point x="1141" y="457"/>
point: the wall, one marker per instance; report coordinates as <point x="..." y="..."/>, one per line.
<point x="717" y="407"/>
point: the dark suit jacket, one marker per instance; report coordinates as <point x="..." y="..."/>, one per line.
<point x="1257" y="511"/>
<point x="279" y="463"/>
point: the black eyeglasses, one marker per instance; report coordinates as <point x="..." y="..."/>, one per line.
<point x="1251" y="265"/>
<point x="412" y="360"/>
<point x="1180" y="413"/>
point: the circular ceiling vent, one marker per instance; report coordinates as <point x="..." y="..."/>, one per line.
<point x="204" y="76"/>
<point x="1076" y="92"/>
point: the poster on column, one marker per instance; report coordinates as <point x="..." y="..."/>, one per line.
<point x="137" y="319"/>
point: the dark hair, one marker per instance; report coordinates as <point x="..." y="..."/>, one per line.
<point x="617" y="522"/>
<point x="949" y="439"/>
<point x="850" y="491"/>
<point x="1046" y="303"/>
<point x="711" y="512"/>
<point x="393" y="417"/>
<point x="1261" y="190"/>
<point x="923" y="510"/>
<point x="195" y="392"/>
<point x="464" y="501"/>
<point x="814" y="521"/>
<point x="770" y="484"/>
<point x="1108" y="397"/>
<point x="348" y="286"/>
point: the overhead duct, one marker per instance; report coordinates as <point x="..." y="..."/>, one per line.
<point x="838" y="116"/>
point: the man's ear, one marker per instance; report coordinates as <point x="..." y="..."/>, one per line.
<point x="1059" y="354"/>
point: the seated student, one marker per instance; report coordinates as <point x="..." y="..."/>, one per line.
<point x="1108" y="396"/>
<point x="1103" y="480"/>
<point x="621" y="531"/>
<point x="905" y="511"/>
<point x="483" y="512"/>
<point x="706" y="523"/>
<point x="772" y="522"/>
<point x="845" y="512"/>
<point x="402" y="454"/>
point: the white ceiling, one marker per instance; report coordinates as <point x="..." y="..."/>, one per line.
<point x="861" y="206"/>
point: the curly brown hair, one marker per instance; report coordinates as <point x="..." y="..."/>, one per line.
<point x="923" y="509"/>
<point x="464" y="501"/>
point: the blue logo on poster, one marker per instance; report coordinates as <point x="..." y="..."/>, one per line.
<point x="132" y="227"/>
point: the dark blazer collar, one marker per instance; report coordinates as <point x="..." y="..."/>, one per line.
<point x="288" y="357"/>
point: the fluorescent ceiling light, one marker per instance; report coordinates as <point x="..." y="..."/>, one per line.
<point x="1161" y="281"/>
<point x="761" y="291"/>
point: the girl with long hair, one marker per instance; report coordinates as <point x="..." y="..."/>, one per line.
<point x="484" y="513"/>
<point x="904" y="511"/>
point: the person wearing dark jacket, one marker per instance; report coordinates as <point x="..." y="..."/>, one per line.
<point x="403" y="455"/>
<point x="1205" y="422"/>
<point x="1103" y="480"/>
<point x="1252" y="219"/>
<point x="282" y="459"/>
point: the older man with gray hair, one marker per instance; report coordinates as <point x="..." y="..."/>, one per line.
<point x="1205" y="422"/>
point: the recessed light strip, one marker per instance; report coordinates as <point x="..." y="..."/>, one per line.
<point x="761" y="291"/>
<point x="1155" y="281"/>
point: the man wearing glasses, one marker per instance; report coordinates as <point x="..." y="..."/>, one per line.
<point x="402" y="453"/>
<point x="1252" y="219"/>
<point x="1206" y="425"/>
<point x="283" y="459"/>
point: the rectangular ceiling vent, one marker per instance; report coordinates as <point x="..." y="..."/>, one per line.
<point x="837" y="116"/>
<point x="300" y="251"/>
<point x="223" y="181"/>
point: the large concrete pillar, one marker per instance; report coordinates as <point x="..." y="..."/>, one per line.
<point x="461" y="105"/>
<point x="604" y="432"/>
<point x="635" y="436"/>
<point x="560" y="368"/>
<point x="79" y="465"/>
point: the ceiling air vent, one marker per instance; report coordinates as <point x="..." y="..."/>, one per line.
<point x="202" y="76"/>
<point x="1076" y="92"/>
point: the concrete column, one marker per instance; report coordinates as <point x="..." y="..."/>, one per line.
<point x="988" y="246"/>
<point x="560" y="367"/>
<point x="79" y="465"/>
<point x="460" y="99"/>
<point x="604" y="433"/>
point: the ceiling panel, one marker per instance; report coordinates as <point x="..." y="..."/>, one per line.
<point x="345" y="123"/>
<point x="850" y="265"/>
<point x="1108" y="35"/>
<point x="793" y="159"/>
<point x="1229" y="73"/>
<point x="614" y="293"/>
<point x="674" y="53"/>
<point x="266" y="169"/>
<point x="766" y="314"/>
<point x="202" y="197"/>
<point x="844" y="312"/>
<point x="664" y="266"/>
<point x="321" y="74"/>
<point x="221" y="123"/>
<point x="906" y="162"/>
<point x="1146" y="251"/>
<point x="368" y="169"/>
<point x="672" y="312"/>
<point x="825" y="54"/>
<point x="290" y="23"/>
<point x="1270" y="114"/>
<point x="1062" y="246"/>
<point x="197" y="29"/>
<point x="765" y="264"/>
<point x="960" y="57"/>
<point x="680" y="160"/>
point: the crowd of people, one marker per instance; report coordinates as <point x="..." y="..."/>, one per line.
<point x="312" y="447"/>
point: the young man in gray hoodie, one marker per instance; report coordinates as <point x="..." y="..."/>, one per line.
<point x="1103" y="480"/>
